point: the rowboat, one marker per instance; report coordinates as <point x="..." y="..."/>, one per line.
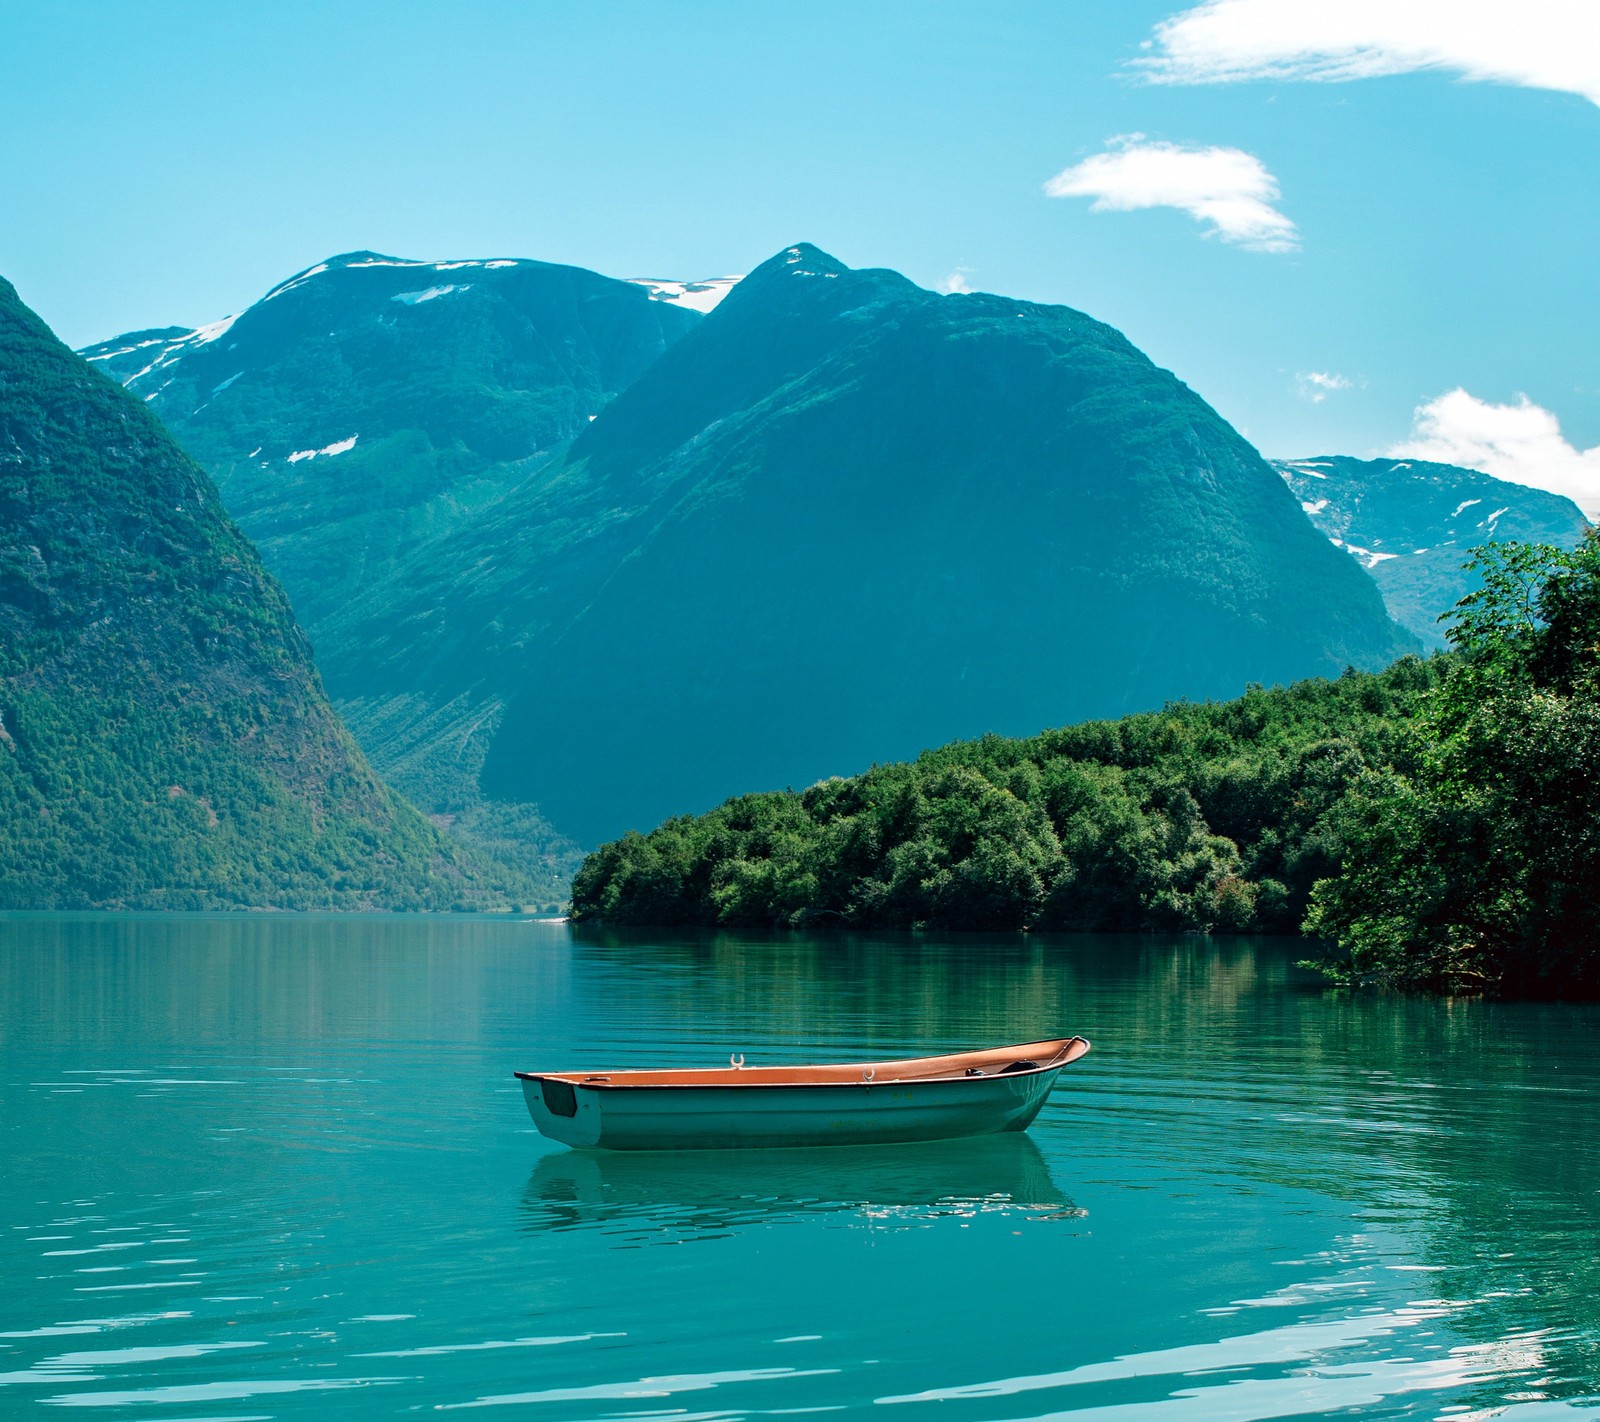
<point x="860" y="1103"/>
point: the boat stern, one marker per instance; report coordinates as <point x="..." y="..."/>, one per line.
<point x="561" y="1110"/>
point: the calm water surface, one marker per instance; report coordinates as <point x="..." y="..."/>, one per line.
<point x="264" y="1168"/>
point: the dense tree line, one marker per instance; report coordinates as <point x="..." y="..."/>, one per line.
<point x="1437" y="823"/>
<point x="1199" y="816"/>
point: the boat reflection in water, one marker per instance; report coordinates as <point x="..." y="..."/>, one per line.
<point x="709" y="1194"/>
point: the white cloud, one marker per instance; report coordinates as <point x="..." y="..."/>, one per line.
<point x="1538" y="44"/>
<point x="1522" y="443"/>
<point x="1229" y="190"/>
<point x="1317" y="385"/>
<point x="957" y="283"/>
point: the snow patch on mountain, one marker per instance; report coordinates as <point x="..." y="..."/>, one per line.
<point x="432" y="266"/>
<point x="295" y="281"/>
<point x="339" y="447"/>
<point x="146" y="371"/>
<point x="414" y="298"/>
<point x="205" y="335"/>
<point x="167" y="348"/>
<point x="696" y="295"/>
<point x="1368" y="558"/>
<point x="366" y="262"/>
<point x="93" y="355"/>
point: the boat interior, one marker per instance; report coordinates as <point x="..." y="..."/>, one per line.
<point x="1025" y="1057"/>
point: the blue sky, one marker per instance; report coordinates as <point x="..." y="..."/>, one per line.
<point x="1325" y="224"/>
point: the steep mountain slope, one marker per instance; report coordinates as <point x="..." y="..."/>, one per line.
<point x="841" y="520"/>
<point x="1411" y="524"/>
<point x="164" y="738"/>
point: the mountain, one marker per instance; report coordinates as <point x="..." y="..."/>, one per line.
<point x="371" y="403"/>
<point x="165" y="741"/>
<point x="1412" y="524"/>
<point x="840" y="520"/>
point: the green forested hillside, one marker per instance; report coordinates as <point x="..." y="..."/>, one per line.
<point x="164" y="738"/>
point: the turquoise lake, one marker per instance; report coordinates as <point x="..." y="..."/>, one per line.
<point x="279" y="1168"/>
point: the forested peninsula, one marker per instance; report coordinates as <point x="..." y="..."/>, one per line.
<point x="1435" y="825"/>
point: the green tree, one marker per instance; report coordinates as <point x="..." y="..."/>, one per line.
<point x="1478" y="868"/>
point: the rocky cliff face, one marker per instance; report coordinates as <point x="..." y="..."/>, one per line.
<point x="167" y="741"/>
<point x="1412" y="525"/>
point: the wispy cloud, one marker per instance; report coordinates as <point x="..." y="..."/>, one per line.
<point x="1521" y="442"/>
<point x="1538" y="44"/>
<point x="1229" y="190"/>
<point x="1317" y="385"/>
<point x="957" y="283"/>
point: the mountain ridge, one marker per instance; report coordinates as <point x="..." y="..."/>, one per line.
<point x="837" y="505"/>
<point x="368" y="403"/>
<point x="436" y="386"/>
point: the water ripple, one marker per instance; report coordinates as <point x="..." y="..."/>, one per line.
<point x="1253" y="1200"/>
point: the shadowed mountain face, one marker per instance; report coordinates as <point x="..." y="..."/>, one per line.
<point x="839" y="521"/>
<point x="164" y="738"/>
<point x="1413" y="525"/>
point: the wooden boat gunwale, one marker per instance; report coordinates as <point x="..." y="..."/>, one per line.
<point x="746" y="1078"/>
